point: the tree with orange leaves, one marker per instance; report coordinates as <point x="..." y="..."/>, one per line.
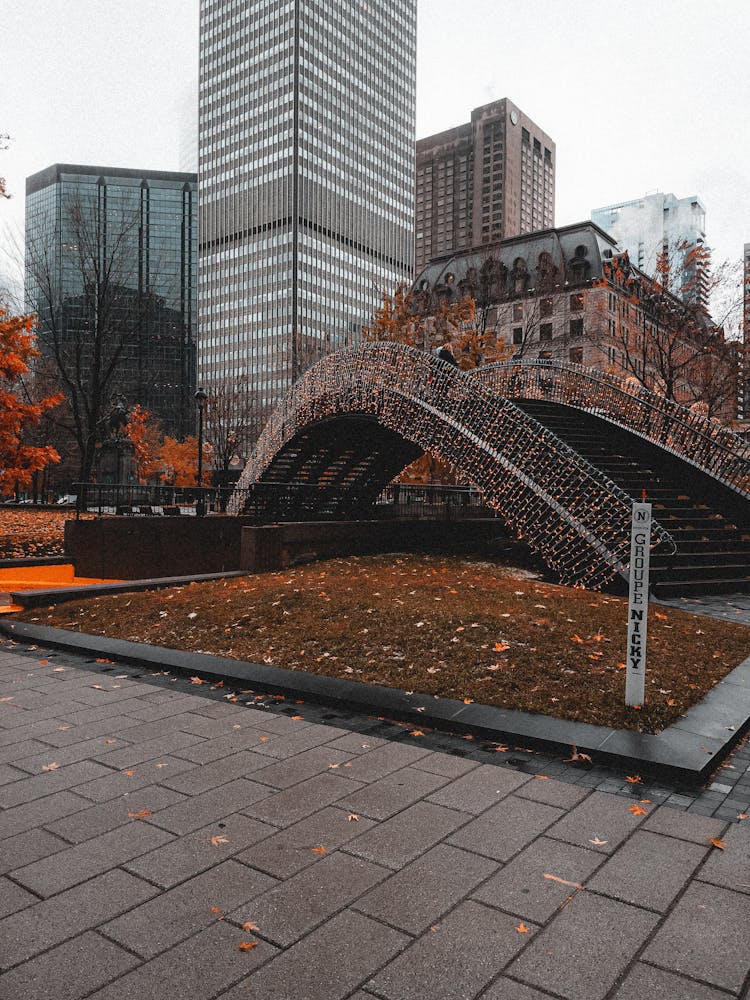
<point x="178" y="462"/>
<point x="144" y="431"/>
<point x="18" y="460"/>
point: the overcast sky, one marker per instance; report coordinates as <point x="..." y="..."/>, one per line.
<point x="639" y="95"/>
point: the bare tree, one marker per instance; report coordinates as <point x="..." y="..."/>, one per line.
<point x="94" y="307"/>
<point x="230" y="422"/>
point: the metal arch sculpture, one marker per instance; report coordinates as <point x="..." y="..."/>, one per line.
<point x="565" y="509"/>
<point x="697" y="440"/>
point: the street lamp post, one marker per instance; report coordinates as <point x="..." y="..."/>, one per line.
<point x="200" y="399"/>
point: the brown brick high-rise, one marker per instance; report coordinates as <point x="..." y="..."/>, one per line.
<point x="488" y="180"/>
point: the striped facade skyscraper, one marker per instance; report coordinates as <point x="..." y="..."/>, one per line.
<point x="306" y="180"/>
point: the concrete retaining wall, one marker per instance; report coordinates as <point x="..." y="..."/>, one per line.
<point x="127" y="548"/>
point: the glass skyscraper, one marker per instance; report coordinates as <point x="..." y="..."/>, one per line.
<point x="306" y="180"/>
<point x="111" y="256"/>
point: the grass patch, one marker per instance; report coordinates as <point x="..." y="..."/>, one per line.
<point x="446" y="626"/>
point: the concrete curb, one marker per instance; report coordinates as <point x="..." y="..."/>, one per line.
<point x="59" y="595"/>
<point x="686" y="752"/>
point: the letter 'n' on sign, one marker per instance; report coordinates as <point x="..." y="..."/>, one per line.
<point x="640" y="557"/>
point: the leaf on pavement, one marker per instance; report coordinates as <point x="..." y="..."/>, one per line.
<point x="718" y="842"/>
<point x="633" y="779"/>
<point x="250" y="926"/>
<point x="248" y="945"/>
<point x="142" y="814"/>
<point x="217" y="840"/>
<point x="564" y="881"/>
<point x="319" y="850"/>
<point x="597" y="841"/>
<point x="197" y="680"/>
<point x="51" y="767"/>
<point x="522" y="928"/>
<point x="637" y="810"/>
<point x="353" y="818"/>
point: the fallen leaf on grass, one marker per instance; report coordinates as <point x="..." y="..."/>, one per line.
<point x="576" y="638"/>
<point x="142" y="814"/>
<point x="217" y="840"/>
<point x="248" y="945"/>
<point x="564" y="881"/>
<point x="718" y="842"/>
<point x="637" y="810"/>
<point x="501" y="647"/>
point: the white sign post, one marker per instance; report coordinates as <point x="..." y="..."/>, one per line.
<point x="640" y="555"/>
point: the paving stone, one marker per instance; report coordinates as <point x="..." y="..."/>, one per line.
<point x="194" y="853"/>
<point x="24" y="748"/>
<point x="137" y="753"/>
<point x="419" y="894"/>
<point x="285" y="808"/>
<point x="111" y="726"/>
<point x="656" y="984"/>
<point x="99" y="818"/>
<point x="706" y="936"/>
<point x="521" y="887"/>
<point x="331" y="962"/>
<point x="200" y="810"/>
<point x="449" y="765"/>
<point x="50" y="782"/>
<point x="297" y="906"/>
<point x="39" y="812"/>
<point x="179" y="913"/>
<point x="52" y="921"/>
<point x="288" y="772"/>
<point x="202" y="778"/>
<point x="25" y="848"/>
<point x="586" y="947"/>
<point x="289" y="745"/>
<point x="13" y="898"/>
<point x="76" y="864"/>
<point x="553" y="793"/>
<point x="506" y="828"/>
<point x="290" y="850"/>
<point x="480" y="789"/>
<point x="375" y="764"/>
<point x="191" y="971"/>
<point x="601" y="815"/>
<point x="10" y="773"/>
<point x="68" y="972"/>
<point x="115" y="784"/>
<point x="85" y="750"/>
<point x="456" y="960"/>
<point x="10" y="737"/>
<point x="356" y="743"/>
<point x="508" y="989"/>
<point x="210" y="750"/>
<point x="401" y="839"/>
<point x="211" y="729"/>
<point x="731" y="867"/>
<point x="14" y="719"/>
<point x="649" y="870"/>
<point x="683" y="826"/>
<point x="393" y="793"/>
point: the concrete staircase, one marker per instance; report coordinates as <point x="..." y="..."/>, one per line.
<point x="709" y="522"/>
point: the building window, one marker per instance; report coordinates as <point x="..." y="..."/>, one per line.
<point x="517" y="311"/>
<point x="546" y="307"/>
<point x="576" y="355"/>
<point x="545" y="331"/>
<point x="576" y="328"/>
<point x="517" y="335"/>
<point x="576" y="302"/>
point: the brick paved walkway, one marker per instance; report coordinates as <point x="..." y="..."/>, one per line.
<point x="143" y="826"/>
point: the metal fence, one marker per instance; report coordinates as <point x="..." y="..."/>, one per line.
<point x="269" y="502"/>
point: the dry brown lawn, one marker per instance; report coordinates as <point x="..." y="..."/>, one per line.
<point x="446" y="626"/>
